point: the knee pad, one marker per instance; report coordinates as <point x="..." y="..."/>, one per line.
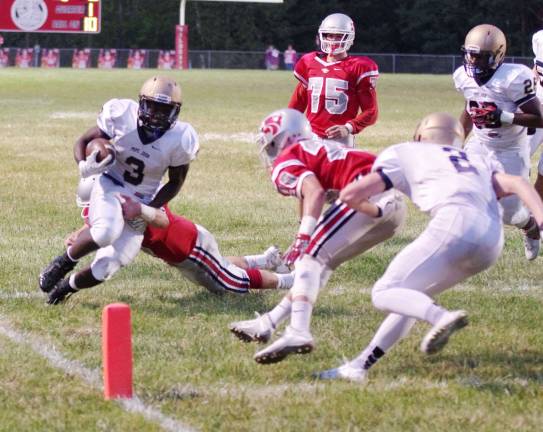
<point x="308" y="277"/>
<point x="105" y="234"/>
<point x="378" y="299"/>
<point x="105" y="267"/>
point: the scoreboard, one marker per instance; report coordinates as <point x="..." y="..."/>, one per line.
<point x="50" y="16"/>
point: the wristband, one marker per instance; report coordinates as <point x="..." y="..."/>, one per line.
<point x="349" y="127"/>
<point x="507" y="117"/>
<point x="148" y="213"/>
<point x="307" y="225"/>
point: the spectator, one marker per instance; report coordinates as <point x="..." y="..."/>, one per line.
<point x="290" y="58"/>
<point x="271" y="58"/>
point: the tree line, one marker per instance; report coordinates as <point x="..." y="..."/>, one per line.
<point x="385" y="26"/>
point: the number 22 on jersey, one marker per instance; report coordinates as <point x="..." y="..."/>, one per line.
<point x="335" y="96"/>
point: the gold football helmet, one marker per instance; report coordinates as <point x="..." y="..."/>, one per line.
<point x="159" y="103"/>
<point x="484" y="51"/>
<point x="440" y="128"/>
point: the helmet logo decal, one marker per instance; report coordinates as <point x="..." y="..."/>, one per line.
<point x="160" y="97"/>
<point x="272" y="124"/>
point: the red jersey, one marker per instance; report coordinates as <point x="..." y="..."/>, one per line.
<point x="333" y="93"/>
<point x="334" y="166"/>
<point x="174" y="243"/>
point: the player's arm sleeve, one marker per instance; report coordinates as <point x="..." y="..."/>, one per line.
<point x="521" y="89"/>
<point x="388" y="166"/>
<point x="288" y="179"/>
<point x="298" y="100"/>
<point x="111" y="110"/>
<point x="188" y="150"/>
<point x="367" y="100"/>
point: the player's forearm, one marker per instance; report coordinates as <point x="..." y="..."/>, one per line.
<point x="154" y="217"/>
<point x="505" y="185"/>
<point x="367" y="99"/>
<point x="357" y="194"/>
<point x="298" y="100"/>
<point x="166" y="194"/>
<point x="528" y="120"/>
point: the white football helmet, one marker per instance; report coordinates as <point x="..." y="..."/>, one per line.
<point x="336" y="24"/>
<point x="279" y="130"/>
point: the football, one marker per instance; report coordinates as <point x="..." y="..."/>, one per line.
<point x="103" y="146"/>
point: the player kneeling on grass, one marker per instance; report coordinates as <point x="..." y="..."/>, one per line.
<point x="464" y="236"/>
<point x="307" y="170"/>
<point x="193" y="250"/>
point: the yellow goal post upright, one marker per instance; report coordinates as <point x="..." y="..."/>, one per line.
<point x="182" y="31"/>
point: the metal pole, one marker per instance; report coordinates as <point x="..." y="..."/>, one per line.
<point x="182" y="6"/>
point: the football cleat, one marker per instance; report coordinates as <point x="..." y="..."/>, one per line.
<point x="274" y="260"/>
<point x="292" y="342"/>
<point x="439" y="334"/>
<point x="259" y="329"/>
<point x="531" y="247"/>
<point x="60" y="293"/>
<point x="54" y="272"/>
<point x="344" y="372"/>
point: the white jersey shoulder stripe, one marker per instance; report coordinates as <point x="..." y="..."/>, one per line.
<point x="367" y="74"/>
<point x="280" y="167"/>
<point x="300" y="78"/>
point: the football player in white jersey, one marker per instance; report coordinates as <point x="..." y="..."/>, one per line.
<point x="460" y="191"/>
<point x="149" y="141"/>
<point x="501" y="103"/>
<point x="537" y="138"/>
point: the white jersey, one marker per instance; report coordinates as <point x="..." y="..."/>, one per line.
<point x="510" y="87"/>
<point x="138" y="166"/>
<point x="537" y="46"/>
<point x="433" y="176"/>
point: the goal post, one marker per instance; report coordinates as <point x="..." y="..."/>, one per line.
<point x="182" y="31"/>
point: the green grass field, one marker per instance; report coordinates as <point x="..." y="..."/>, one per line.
<point x="186" y="363"/>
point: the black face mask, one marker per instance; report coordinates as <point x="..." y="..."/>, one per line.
<point x="479" y="66"/>
<point x="157" y="116"/>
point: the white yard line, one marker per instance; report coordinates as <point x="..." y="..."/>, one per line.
<point x="93" y="377"/>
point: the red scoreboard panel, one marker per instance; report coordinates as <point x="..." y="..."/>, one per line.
<point x="50" y="16"/>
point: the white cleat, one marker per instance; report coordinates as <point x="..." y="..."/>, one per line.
<point x="274" y="260"/>
<point x="259" y="329"/>
<point x="292" y="342"/>
<point x="531" y="247"/>
<point x="345" y="372"/>
<point x="439" y="334"/>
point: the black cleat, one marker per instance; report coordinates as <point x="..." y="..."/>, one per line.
<point x="55" y="271"/>
<point x="60" y="293"/>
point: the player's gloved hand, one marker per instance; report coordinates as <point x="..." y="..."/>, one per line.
<point x="488" y="116"/>
<point x="91" y="166"/>
<point x="297" y="249"/>
<point x="131" y="208"/>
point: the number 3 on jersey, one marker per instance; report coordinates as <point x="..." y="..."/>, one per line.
<point x="335" y="98"/>
<point x="135" y="176"/>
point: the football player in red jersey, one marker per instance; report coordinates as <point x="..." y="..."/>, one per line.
<point x="336" y="90"/>
<point x="307" y="169"/>
<point x="192" y="250"/>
